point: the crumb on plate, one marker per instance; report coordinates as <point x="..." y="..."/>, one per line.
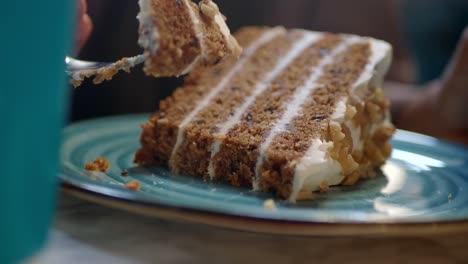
<point x="324" y="187"/>
<point x="100" y="164"/>
<point x="133" y="185"/>
<point x="124" y="173"/>
<point x="269" y="204"/>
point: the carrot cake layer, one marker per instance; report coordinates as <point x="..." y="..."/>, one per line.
<point x="298" y="112"/>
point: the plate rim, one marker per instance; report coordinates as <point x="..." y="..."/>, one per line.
<point x="126" y="201"/>
<point x="262" y="225"/>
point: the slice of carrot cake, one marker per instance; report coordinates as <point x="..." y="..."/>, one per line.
<point x="298" y="112"/>
<point x="179" y="35"/>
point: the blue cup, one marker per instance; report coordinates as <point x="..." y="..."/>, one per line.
<point x="35" y="37"/>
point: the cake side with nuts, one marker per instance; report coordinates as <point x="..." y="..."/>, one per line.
<point x="298" y="112"/>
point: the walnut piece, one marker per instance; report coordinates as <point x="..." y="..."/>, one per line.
<point x="133" y="185"/>
<point x="209" y="9"/>
<point x="269" y="204"/>
<point x="100" y="164"/>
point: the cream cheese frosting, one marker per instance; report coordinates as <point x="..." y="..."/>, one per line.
<point x="316" y="166"/>
<point x="148" y="37"/>
<point x="197" y="24"/>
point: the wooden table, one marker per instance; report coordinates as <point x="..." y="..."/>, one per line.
<point x="89" y="233"/>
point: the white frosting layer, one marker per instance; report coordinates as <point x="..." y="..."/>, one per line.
<point x="378" y="65"/>
<point x="262" y="40"/>
<point x="219" y="20"/>
<point x="197" y="27"/>
<point x="296" y="50"/>
<point x="316" y="166"/>
<point x="149" y="37"/>
<point x="294" y="107"/>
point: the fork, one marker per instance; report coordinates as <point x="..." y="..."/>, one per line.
<point x="79" y="70"/>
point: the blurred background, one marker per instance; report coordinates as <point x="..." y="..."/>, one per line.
<point x="424" y="34"/>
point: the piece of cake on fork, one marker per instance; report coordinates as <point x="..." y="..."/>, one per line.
<point x="298" y="112"/>
<point x="179" y="35"/>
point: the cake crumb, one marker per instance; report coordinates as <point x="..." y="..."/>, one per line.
<point x="269" y="204"/>
<point x="450" y="196"/>
<point x="124" y="173"/>
<point x="324" y="187"/>
<point x="350" y="112"/>
<point x="106" y="73"/>
<point x="133" y="185"/>
<point x="100" y="164"/>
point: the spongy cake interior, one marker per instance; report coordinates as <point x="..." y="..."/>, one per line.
<point x="177" y="43"/>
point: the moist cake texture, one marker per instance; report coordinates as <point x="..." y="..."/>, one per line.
<point x="298" y="112"/>
<point x="179" y="35"/>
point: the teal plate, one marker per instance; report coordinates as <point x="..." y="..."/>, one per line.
<point x="422" y="188"/>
